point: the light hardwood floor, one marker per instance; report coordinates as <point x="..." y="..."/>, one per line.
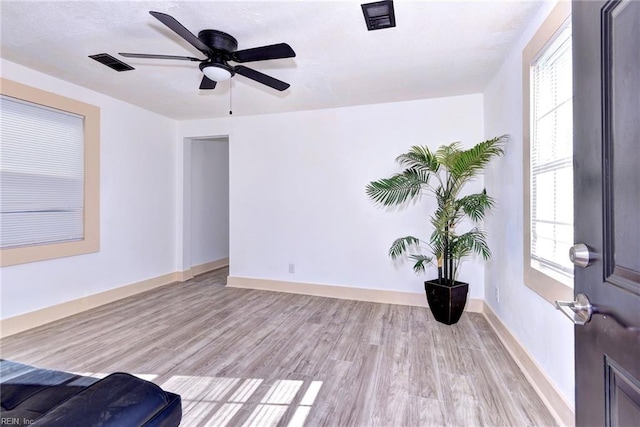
<point x="257" y="358"/>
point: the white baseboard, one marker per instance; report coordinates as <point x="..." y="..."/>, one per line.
<point x="341" y="292"/>
<point x="209" y="266"/>
<point x="183" y="276"/>
<point x="22" y="322"/>
<point x="552" y="398"/>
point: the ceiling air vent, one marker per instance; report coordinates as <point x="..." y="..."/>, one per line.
<point x="111" y="62"/>
<point x="379" y="15"/>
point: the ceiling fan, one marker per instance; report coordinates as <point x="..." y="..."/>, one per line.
<point x="220" y="48"/>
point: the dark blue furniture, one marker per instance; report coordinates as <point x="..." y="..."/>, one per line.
<point x="43" y="397"/>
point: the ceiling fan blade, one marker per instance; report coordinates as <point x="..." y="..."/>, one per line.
<point x="152" y="56"/>
<point x="274" y="51"/>
<point x="180" y="30"/>
<point x="207" y="83"/>
<point x="261" y="78"/>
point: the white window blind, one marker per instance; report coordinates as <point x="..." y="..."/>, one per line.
<point x="41" y="173"/>
<point x="552" y="157"/>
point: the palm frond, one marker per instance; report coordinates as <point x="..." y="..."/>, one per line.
<point x="397" y="189"/>
<point x="419" y="157"/>
<point x="472" y="161"/>
<point x="447" y="154"/>
<point x="436" y="243"/>
<point x="439" y="221"/>
<point x="420" y="261"/>
<point x="471" y="241"/>
<point x="401" y="245"/>
<point x="475" y="205"/>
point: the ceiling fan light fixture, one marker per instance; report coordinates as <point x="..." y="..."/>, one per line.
<point x="217" y="72"/>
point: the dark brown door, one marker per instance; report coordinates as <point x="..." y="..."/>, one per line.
<point x="606" y="60"/>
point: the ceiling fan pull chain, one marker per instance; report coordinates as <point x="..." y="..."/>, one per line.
<point x="230" y="103"/>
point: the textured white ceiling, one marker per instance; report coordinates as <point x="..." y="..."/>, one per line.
<point x="438" y="48"/>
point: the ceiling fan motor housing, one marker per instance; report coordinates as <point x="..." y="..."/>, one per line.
<point x="220" y="48"/>
<point x="218" y="40"/>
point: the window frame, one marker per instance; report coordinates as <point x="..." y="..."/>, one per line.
<point x="91" y="114"/>
<point x="546" y="285"/>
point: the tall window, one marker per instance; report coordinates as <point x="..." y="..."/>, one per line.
<point x="42" y="173"/>
<point x="49" y="175"/>
<point x="549" y="157"/>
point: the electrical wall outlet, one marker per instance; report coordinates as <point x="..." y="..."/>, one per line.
<point x="497" y="289"/>
<point x="292" y="268"/>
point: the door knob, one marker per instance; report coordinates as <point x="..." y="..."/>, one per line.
<point x="580" y="255"/>
<point x="579" y="311"/>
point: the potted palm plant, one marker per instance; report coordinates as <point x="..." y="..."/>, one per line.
<point x="443" y="173"/>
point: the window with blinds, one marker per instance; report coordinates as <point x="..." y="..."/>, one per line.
<point x="551" y="157"/>
<point x="42" y="174"/>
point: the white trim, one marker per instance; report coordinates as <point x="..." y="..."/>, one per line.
<point x="209" y="266"/>
<point x="33" y="319"/>
<point x="183" y="276"/>
<point x="22" y="322"/>
<point x="552" y="398"/>
<point x="341" y="292"/>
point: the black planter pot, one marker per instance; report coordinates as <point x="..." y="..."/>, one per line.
<point x="446" y="302"/>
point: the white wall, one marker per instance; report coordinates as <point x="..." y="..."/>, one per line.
<point x="209" y="200"/>
<point x="297" y="189"/>
<point x="138" y="151"/>
<point x="543" y="331"/>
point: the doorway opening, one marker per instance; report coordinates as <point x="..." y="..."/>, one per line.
<point x="205" y="218"/>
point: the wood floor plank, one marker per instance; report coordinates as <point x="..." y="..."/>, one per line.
<point x="425" y="412"/>
<point x="423" y="368"/>
<point x="494" y="402"/>
<point x="460" y="401"/>
<point x="242" y="357"/>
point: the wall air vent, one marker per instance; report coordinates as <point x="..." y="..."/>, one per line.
<point x="111" y="62"/>
<point x="379" y="15"/>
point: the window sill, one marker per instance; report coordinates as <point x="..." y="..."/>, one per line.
<point x="547" y="286"/>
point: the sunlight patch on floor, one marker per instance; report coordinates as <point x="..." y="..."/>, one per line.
<point x="246" y="389"/>
<point x="223" y="415"/>
<point x="265" y="416"/>
<point x="282" y="392"/>
<point x="216" y="401"/>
